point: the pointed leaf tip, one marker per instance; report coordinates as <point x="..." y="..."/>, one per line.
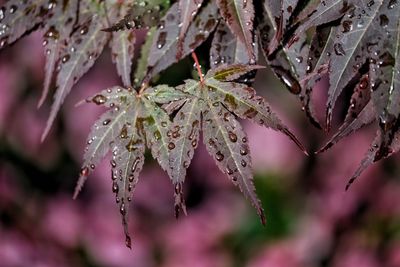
<point x="128" y="242"/>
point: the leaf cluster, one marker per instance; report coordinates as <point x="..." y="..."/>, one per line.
<point x="353" y="44"/>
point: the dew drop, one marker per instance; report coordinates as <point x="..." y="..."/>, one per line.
<point x="2" y="11"/>
<point x="99" y="99"/>
<point x="232" y="137"/>
<point x="162" y="39"/>
<point x="157" y="135"/>
<point x="391" y="4"/>
<point x="134" y="166"/>
<point x="243" y="151"/>
<point x="13" y="8"/>
<point x="65" y="58"/>
<point x="243" y="163"/>
<point x="339" y="49"/>
<point x="347" y="25"/>
<point x="84" y="172"/>
<point x="219" y="156"/>
<point x="122" y="208"/>
<point x="383" y="20"/>
<point x="113" y="163"/>
<point x="171" y="146"/>
<point x="84" y="30"/>
<point x="115" y="187"/>
<point x="124" y="132"/>
<point x="106" y="122"/>
<point x="229" y="171"/>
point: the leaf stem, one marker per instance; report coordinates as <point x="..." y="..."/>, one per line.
<point x="198" y="67"/>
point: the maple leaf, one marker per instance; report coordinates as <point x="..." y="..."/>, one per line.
<point x="140" y="14"/>
<point x="165" y="50"/>
<point x="132" y="122"/>
<point x="85" y="45"/>
<point x="291" y="64"/>
<point x="363" y="50"/>
<point x="239" y="16"/>
<point x="211" y="107"/>
<point x="227" y="49"/>
<point x="57" y="31"/>
<point x="122" y="47"/>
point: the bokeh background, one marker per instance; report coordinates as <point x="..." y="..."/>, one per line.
<point x="311" y="220"/>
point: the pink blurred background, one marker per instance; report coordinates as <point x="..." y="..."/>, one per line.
<point x="311" y="220"/>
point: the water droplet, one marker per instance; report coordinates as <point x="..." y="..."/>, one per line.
<point x="65" y="58"/>
<point x="122" y="208"/>
<point x="229" y="171"/>
<point x="347" y="25"/>
<point x="171" y="146"/>
<point x="135" y="165"/>
<point x="391" y="4"/>
<point x="115" y="187"/>
<point x="13" y="8"/>
<point x="339" y="49"/>
<point x="52" y="33"/>
<point x="244" y="151"/>
<point x="219" y="156"/>
<point x="99" y="99"/>
<point x="2" y="11"/>
<point x="243" y="163"/>
<point x="299" y="59"/>
<point x="84" y="172"/>
<point x="383" y="20"/>
<point x="106" y="122"/>
<point x="113" y="163"/>
<point x="162" y="39"/>
<point x="157" y="135"/>
<point x="232" y="137"/>
<point x="84" y="30"/>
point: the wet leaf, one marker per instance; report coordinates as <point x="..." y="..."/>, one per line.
<point x="242" y="100"/>
<point x="239" y="16"/>
<point x="19" y="17"/>
<point x="56" y="35"/>
<point x="123" y="48"/>
<point x="187" y="11"/>
<point x="85" y="46"/>
<point x="227" y="143"/>
<point x="227" y="49"/>
<point x="127" y="162"/>
<point x="165" y="49"/>
<point x="140" y="14"/>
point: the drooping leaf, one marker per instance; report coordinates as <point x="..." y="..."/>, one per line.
<point x="142" y="63"/>
<point x="123" y="48"/>
<point x="133" y="121"/>
<point x="107" y="128"/>
<point x="187" y="11"/>
<point x="242" y="100"/>
<point x="290" y="64"/>
<point x="127" y="162"/>
<point x="57" y="31"/>
<point x="85" y="46"/>
<point x="361" y="112"/>
<point x="239" y="16"/>
<point x="227" y="143"/>
<point x="19" y="17"/>
<point x="165" y="49"/>
<point x="227" y="49"/>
